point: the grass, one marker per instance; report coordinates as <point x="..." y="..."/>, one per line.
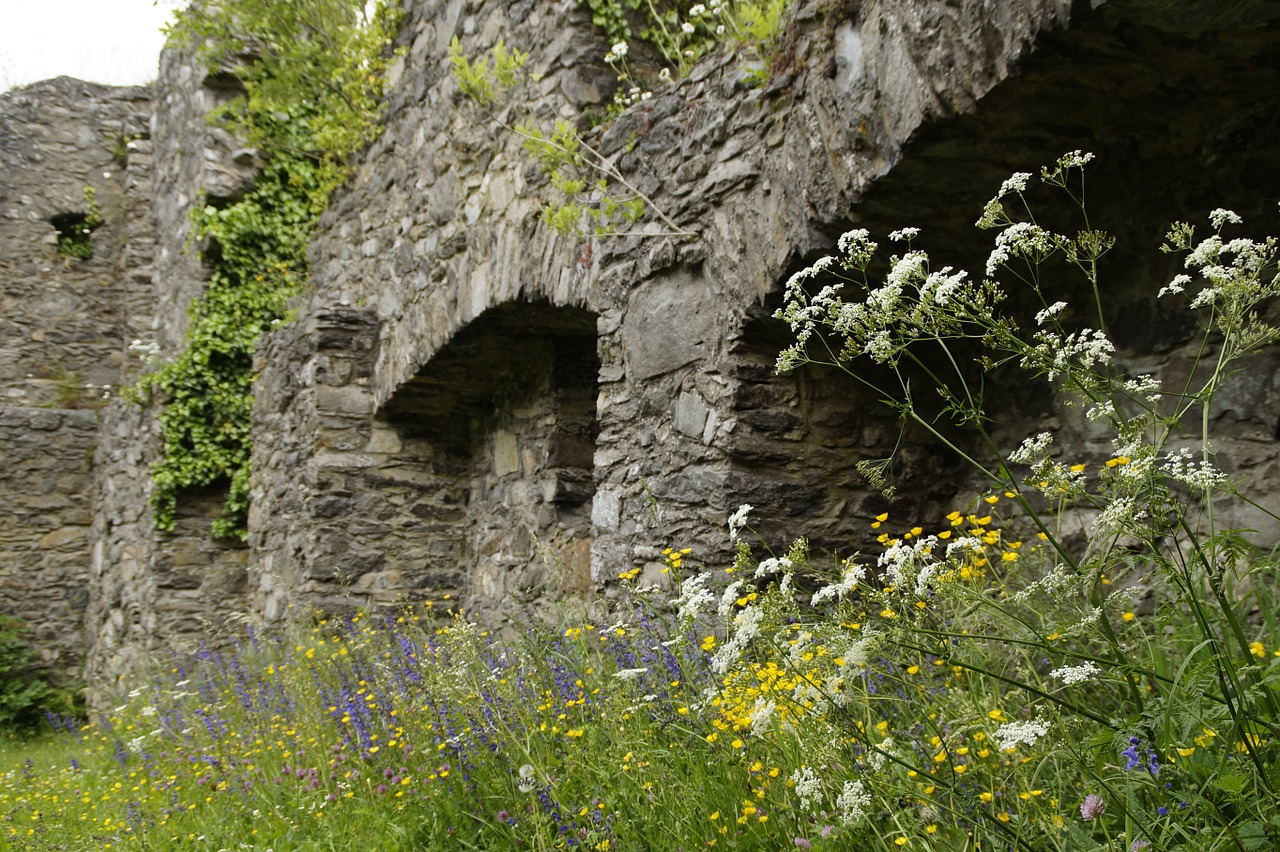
<point x="828" y="729"/>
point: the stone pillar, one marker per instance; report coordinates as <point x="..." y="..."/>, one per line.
<point x="316" y="526"/>
<point x="151" y="591"/>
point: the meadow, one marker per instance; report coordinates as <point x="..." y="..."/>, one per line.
<point x="1080" y="658"/>
<point x="655" y="731"/>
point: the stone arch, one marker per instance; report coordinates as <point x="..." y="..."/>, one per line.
<point x="503" y="417"/>
<point x="1180" y="123"/>
<point x="1181" y="111"/>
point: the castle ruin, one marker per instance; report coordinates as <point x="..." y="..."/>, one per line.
<point x="469" y="404"/>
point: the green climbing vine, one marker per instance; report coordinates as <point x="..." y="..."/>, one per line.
<point x="313" y="91"/>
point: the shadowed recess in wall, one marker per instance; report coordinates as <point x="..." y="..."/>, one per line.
<point x="799" y="438"/>
<point x="1180" y="116"/>
<point x="74" y="230"/>
<point x="506" y="411"/>
<point x="490" y="365"/>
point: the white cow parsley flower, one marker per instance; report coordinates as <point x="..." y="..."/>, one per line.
<point x="1026" y="733"/>
<point x="1076" y="674"/>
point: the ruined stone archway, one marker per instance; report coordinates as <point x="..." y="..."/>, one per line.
<point x="799" y="438"/>
<point x="503" y="417"/>
<point x="1180" y="110"/>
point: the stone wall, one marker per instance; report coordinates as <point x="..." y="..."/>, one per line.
<point x="883" y="114"/>
<point x="440" y="239"/>
<point x="473" y="410"/>
<point x="478" y="475"/>
<point x="45" y="473"/>
<point x="61" y="326"/>
<point x="62" y="316"/>
<point x="151" y="591"/>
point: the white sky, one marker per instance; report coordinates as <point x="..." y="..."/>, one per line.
<point x="103" y="41"/>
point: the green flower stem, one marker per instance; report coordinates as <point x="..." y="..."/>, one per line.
<point x="1021" y="685"/>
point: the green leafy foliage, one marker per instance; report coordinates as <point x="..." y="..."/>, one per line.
<point x="314" y="83"/>
<point x="478" y="81"/>
<point x="683" y="32"/>
<point x="24" y="692"/>
<point x="562" y="156"/>
<point x="611" y="17"/>
<point x="259" y="259"/>
<point x="313" y="95"/>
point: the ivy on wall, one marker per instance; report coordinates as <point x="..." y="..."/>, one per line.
<point x="313" y="94"/>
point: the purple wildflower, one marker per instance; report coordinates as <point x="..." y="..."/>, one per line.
<point x="801" y="843"/>
<point x="1131" y="754"/>
<point x="1133" y="760"/>
<point x="1092" y="807"/>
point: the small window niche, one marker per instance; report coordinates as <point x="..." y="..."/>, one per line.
<point x="75" y="230"/>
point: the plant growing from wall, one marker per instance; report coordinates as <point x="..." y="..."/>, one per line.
<point x="593" y="196"/>
<point x="684" y="32"/>
<point x="313" y="85"/>
<point x="23" y="689"/>
<point x="75" y="230"/>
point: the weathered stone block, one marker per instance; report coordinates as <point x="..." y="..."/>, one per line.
<point x="506" y="453"/>
<point x="691" y="414"/>
<point x="655" y="344"/>
<point x="344" y="400"/>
